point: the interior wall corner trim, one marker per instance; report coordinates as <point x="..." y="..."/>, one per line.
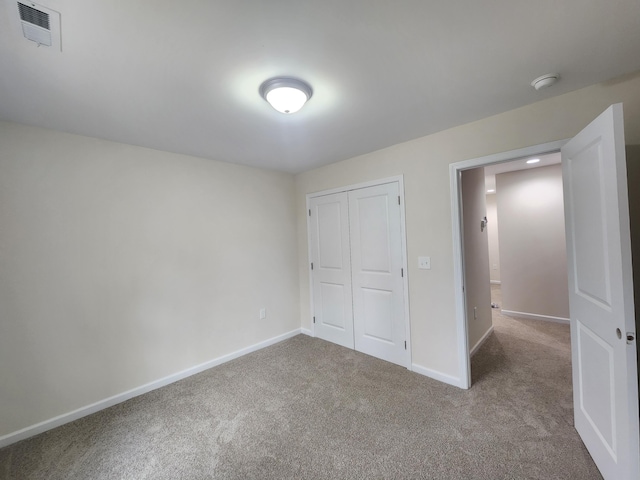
<point x="436" y="375"/>
<point x="480" y="342"/>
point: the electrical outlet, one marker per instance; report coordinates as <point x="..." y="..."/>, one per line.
<point x="263" y="313"/>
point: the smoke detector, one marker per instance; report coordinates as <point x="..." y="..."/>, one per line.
<point x="545" y="81"/>
<point x="39" y="24"/>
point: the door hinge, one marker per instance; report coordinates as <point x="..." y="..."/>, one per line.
<point x="398" y="199"/>
<point x="405" y="344"/>
<point x="309" y="212"/>
<point x="314" y="319"/>
<point x="402" y="272"/>
<point x="311" y="265"/>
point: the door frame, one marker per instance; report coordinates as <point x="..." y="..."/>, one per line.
<point x="455" y="173"/>
<point x="403" y="241"/>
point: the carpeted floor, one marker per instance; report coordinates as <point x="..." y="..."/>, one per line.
<point x="306" y="408"/>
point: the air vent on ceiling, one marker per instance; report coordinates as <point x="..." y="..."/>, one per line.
<point x="39" y="23"/>
<point x="34" y="16"/>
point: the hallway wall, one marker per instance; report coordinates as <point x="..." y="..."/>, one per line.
<point x="533" y="255"/>
<point x="476" y="256"/>
<point x="493" y="238"/>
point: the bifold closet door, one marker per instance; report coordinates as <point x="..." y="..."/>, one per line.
<point x="331" y="268"/>
<point x="376" y="266"/>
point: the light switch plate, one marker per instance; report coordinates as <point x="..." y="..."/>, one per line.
<point x="424" y="263"/>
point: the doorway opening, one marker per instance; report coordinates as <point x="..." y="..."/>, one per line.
<point x="600" y="287"/>
<point x="515" y="257"/>
<point x="456" y="171"/>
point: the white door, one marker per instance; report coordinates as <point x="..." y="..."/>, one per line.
<point x="377" y="269"/>
<point x="331" y="269"/>
<point x="605" y="382"/>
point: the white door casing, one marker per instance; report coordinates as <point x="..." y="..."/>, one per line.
<point x="604" y="362"/>
<point x="331" y="270"/>
<point x="377" y="272"/>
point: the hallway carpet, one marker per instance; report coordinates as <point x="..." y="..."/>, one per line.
<point x="308" y="409"/>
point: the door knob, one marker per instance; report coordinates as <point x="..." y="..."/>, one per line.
<point x="618" y="333"/>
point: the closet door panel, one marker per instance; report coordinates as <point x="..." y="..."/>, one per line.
<point x="331" y="273"/>
<point x="376" y="272"/>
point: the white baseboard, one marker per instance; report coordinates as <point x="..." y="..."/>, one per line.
<point x="121" y="397"/>
<point x="442" y="377"/>
<point x="496" y="282"/>
<point x="306" y="331"/>
<point x="480" y="342"/>
<point x="535" y="316"/>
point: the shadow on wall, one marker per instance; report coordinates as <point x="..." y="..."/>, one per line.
<point x="633" y="179"/>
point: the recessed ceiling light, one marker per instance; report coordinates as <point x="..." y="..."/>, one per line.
<point x="545" y="80"/>
<point x="533" y="160"/>
<point x="491" y="190"/>
<point x="286" y="94"/>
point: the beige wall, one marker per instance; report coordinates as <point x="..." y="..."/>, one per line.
<point x="532" y="242"/>
<point x="121" y="265"/>
<point x="476" y="256"/>
<point x="424" y="162"/>
<point x="494" y="240"/>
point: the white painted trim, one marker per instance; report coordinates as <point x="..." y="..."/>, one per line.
<point x="535" y="316"/>
<point x="134" y="392"/>
<point x="464" y="360"/>
<point x="356" y="186"/>
<point x="405" y="265"/>
<point x="495" y="282"/>
<point x="455" y="170"/>
<point x="310" y="272"/>
<point x="511" y="155"/>
<point x="480" y="342"/>
<point x="434" y="374"/>
<point x="403" y="232"/>
<point x="306" y="331"/>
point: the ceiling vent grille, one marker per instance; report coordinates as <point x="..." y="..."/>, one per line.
<point x="34" y="16"/>
<point x="39" y="24"/>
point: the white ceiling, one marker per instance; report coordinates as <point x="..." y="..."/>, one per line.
<point x="491" y="171"/>
<point x="183" y="76"/>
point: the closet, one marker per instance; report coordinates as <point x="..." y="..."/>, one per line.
<point x="357" y="270"/>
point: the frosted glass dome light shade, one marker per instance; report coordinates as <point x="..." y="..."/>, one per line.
<point x="286" y="95"/>
<point x="286" y="99"/>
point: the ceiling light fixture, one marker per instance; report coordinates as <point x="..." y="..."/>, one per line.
<point x="286" y="94"/>
<point x="491" y="190"/>
<point x="533" y="160"/>
<point x="545" y="80"/>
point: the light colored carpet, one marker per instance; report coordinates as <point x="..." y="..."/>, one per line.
<point x="306" y="408"/>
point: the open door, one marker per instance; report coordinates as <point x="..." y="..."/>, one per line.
<point x="603" y="345"/>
